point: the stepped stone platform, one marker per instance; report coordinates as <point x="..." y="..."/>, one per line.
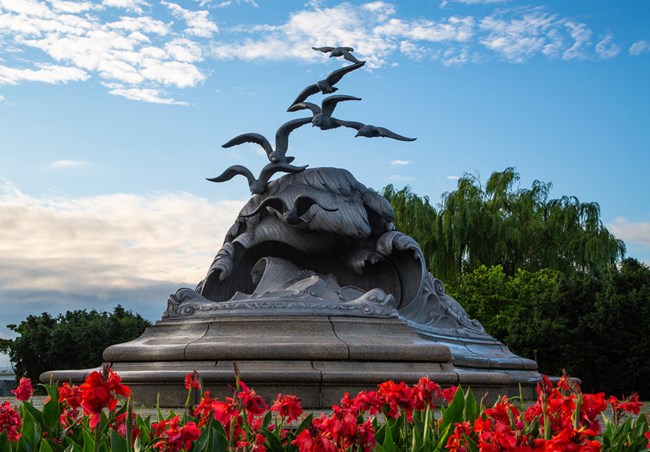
<point x="317" y="358"/>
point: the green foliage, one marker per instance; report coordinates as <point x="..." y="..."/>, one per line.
<point x="75" y="340"/>
<point x="596" y="326"/>
<point x="498" y="224"/>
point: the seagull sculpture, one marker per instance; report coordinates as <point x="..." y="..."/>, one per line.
<point x="345" y="52"/>
<point x="279" y="154"/>
<point x="370" y="131"/>
<point x="326" y="86"/>
<point x="322" y="116"/>
<point x="257" y="186"/>
<point x="292" y="215"/>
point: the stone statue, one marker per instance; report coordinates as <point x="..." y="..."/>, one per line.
<point x="314" y="292"/>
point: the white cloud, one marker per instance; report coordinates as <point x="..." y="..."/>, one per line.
<point x="227" y="3"/>
<point x="581" y="36"/>
<point x="63" y="164"/>
<point x="151" y="95"/>
<point x="639" y="47"/>
<point x="606" y="48"/>
<point x="138" y="52"/>
<point x="474" y="2"/>
<point x="44" y="73"/>
<point x="400" y="162"/>
<point x="198" y="22"/>
<point x="132" y="5"/>
<point x="629" y="231"/>
<point x="453" y="177"/>
<point x="115" y="242"/>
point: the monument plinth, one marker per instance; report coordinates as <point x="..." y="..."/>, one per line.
<point x="313" y="293"/>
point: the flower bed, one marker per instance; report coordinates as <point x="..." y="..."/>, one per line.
<point x="395" y="417"/>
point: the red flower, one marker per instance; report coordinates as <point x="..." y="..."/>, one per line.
<point x="120" y="426"/>
<point x="316" y="442"/>
<point x="398" y="398"/>
<point x="70" y="396"/>
<point x="192" y="381"/>
<point x="10" y="421"/>
<point x="424" y="393"/>
<point x="253" y="403"/>
<point x="287" y="407"/>
<point x="647" y="435"/>
<point x="225" y="412"/>
<point x="449" y="393"/>
<point x="97" y="393"/>
<point x="172" y="438"/>
<point x="367" y="402"/>
<point x="592" y="405"/>
<point x="24" y="390"/>
<point x="457" y="441"/>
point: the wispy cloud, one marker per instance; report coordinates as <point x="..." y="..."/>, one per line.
<point x="198" y="22"/>
<point x="145" y="53"/>
<point x="639" y="47"/>
<point x="631" y="231"/>
<point x="102" y="244"/>
<point x="63" y="164"/>
<point x="606" y="48"/>
<point x="400" y="162"/>
<point x="136" y="55"/>
<point x="453" y="177"/>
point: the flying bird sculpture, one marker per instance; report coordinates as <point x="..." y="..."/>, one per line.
<point x="257" y="186"/>
<point x="345" y="52"/>
<point x="370" y="131"/>
<point x="326" y="86"/>
<point x="322" y="116"/>
<point x="279" y="154"/>
<point x="292" y="215"/>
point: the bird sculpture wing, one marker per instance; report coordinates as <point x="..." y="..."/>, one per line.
<point x="271" y="168"/>
<point x="250" y="138"/>
<point x="324" y="49"/>
<point x="282" y="135"/>
<point x="233" y="171"/>
<point x="352" y="124"/>
<point x="305" y="93"/>
<point x="383" y="132"/>
<point x="335" y="76"/>
<point x="346" y="52"/>
<point x="274" y="202"/>
<point x="304" y="202"/>
<point x="329" y="103"/>
<point x="315" y="109"/>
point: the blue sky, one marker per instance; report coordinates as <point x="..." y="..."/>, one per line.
<point x="113" y="112"/>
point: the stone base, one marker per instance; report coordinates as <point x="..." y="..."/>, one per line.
<point x="316" y="358"/>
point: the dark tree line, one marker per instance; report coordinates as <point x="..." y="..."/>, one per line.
<point x="596" y="325"/>
<point x="74" y="340"/>
<point x="498" y="224"/>
<point x="542" y="275"/>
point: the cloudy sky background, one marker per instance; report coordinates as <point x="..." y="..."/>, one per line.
<point x="112" y="114"/>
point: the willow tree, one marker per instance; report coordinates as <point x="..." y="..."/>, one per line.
<point x="501" y="224"/>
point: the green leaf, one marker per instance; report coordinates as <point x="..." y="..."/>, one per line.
<point x="471" y="409"/>
<point x="118" y="443"/>
<point x="36" y="415"/>
<point x="5" y="445"/>
<point x="272" y="441"/>
<point x="220" y="437"/>
<point x="52" y="411"/>
<point x="45" y="447"/>
<point x="454" y="411"/>
<point x="389" y="443"/>
<point x="88" y="441"/>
